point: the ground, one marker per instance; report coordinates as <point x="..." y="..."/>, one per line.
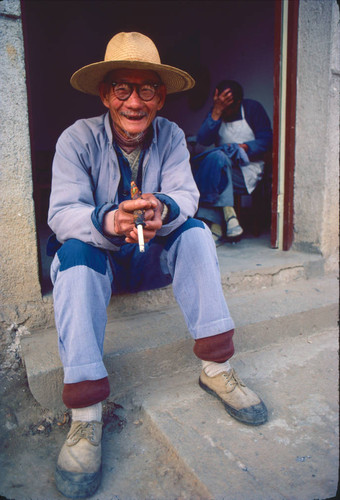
<point x="31" y="437"/>
<point x="181" y="444"/>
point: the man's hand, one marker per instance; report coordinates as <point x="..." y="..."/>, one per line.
<point x="122" y="222"/>
<point x="222" y="102"/>
<point x="244" y="146"/>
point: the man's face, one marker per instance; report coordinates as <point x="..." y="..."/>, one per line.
<point x="133" y="116"/>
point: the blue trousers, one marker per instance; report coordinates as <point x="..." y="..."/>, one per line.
<point x="217" y="179"/>
<point x="85" y="277"/>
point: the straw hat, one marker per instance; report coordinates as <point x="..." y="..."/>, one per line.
<point x="135" y="51"/>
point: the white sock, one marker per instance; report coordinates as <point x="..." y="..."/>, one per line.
<point x="88" y="413"/>
<point x="212" y="369"/>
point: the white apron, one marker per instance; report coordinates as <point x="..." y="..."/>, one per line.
<point x="239" y="132"/>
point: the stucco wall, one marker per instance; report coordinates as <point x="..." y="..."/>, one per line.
<point x="316" y="199"/>
<point x="21" y="300"/>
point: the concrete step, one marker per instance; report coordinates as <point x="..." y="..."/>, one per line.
<point x="248" y="265"/>
<point x="181" y="444"/>
<point x="148" y="345"/>
<point x="294" y="455"/>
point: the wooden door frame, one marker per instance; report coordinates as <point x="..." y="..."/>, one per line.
<point x="285" y="77"/>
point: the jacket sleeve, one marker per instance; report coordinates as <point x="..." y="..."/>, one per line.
<point x="176" y="180"/>
<point x="259" y="122"/>
<point x="207" y="134"/>
<point x="72" y="200"/>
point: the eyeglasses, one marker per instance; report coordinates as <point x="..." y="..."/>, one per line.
<point x="146" y="91"/>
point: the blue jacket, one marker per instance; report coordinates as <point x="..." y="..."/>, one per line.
<point x="258" y="121"/>
<point x="86" y="176"/>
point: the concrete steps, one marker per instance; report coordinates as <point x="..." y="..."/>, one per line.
<point x="179" y="443"/>
<point x="294" y="455"/>
<point x="286" y="312"/>
<point x="271" y="295"/>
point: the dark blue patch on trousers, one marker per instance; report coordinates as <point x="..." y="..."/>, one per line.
<point x="77" y="253"/>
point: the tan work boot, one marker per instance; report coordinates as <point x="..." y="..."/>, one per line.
<point x="78" y="472"/>
<point x="239" y="401"/>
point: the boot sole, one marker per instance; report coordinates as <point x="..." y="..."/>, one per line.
<point x="254" y="415"/>
<point x="76" y="484"/>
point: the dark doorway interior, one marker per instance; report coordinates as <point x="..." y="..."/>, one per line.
<point x="211" y="40"/>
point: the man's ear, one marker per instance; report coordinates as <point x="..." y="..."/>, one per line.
<point x="103" y="92"/>
<point x="162" y="96"/>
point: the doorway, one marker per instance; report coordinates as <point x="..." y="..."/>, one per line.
<point x="211" y="40"/>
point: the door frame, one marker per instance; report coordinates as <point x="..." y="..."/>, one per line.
<point x="284" y="122"/>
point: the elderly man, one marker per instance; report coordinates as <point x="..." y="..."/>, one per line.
<point x="93" y="217"/>
<point x="241" y="130"/>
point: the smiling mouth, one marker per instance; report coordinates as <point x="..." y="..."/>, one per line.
<point x="134" y="118"/>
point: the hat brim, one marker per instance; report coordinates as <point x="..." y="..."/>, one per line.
<point x="88" y="78"/>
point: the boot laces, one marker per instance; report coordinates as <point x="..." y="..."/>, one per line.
<point x="82" y="430"/>
<point x="232" y="381"/>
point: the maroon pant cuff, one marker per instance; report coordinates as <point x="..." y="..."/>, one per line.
<point x="86" y="393"/>
<point x="218" y="348"/>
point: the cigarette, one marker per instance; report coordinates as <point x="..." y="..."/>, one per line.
<point x="140" y="237"/>
<point x="138" y="216"/>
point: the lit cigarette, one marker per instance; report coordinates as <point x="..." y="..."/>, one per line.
<point x="140" y="237"/>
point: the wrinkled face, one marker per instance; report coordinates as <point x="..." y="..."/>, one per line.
<point x="132" y="116"/>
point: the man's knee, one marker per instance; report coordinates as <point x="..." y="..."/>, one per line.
<point x="189" y="224"/>
<point x="77" y="253"/>
<point x="217" y="158"/>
